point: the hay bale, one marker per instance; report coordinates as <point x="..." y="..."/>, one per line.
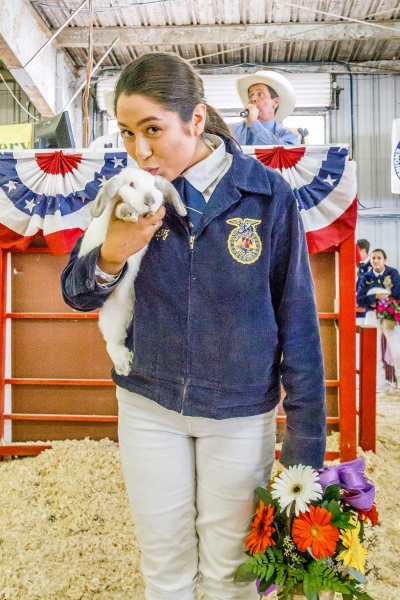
<point x="66" y="531"/>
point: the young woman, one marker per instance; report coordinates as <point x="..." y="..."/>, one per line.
<point x="388" y="278"/>
<point x="224" y="311"/>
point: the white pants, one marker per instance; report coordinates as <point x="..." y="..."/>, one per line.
<point x="393" y="340"/>
<point x="191" y="483"/>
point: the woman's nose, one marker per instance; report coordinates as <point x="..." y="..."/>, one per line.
<point x="143" y="150"/>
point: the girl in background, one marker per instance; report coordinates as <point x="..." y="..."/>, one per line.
<point x="387" y="278"/>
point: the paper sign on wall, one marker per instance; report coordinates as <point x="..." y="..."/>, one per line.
<point x="15" y="137"/>
<point x="395" y="157"/>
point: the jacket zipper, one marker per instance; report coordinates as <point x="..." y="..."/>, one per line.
<point x="185" y="384"/>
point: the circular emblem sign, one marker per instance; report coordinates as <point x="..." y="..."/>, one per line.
<point x="396" y="160"/>
<point x="244" y="243"/>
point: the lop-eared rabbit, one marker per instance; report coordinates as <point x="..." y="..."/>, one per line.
<point x="140" y="193"/>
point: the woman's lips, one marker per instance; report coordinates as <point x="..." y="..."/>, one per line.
<point x="151" y="170"/>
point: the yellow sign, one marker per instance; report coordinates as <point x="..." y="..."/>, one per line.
<point x="15" y="137"/>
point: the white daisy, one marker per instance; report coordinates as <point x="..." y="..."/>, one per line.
<point x="296" y="484"/>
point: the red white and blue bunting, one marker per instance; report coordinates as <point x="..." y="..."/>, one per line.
<point x="50" y="192"/>
<point x="323" y="179"/>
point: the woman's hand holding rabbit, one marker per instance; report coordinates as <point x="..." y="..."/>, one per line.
<point x="125" y="238"/>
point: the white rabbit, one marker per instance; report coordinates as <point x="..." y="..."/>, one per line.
<point x="141" y="192"/>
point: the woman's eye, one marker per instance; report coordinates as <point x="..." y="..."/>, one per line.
<point x="153" y="129"/>
<point x="126" y="133"/>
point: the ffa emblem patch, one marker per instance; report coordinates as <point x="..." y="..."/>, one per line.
<point x="387" y="282"/>
<point x="244" y="243"/>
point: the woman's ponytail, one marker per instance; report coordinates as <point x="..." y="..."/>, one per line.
<point x="215" y="124"/>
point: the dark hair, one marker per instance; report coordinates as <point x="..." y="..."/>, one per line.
<point x="363" y="244"/>
<point x="272" y="92"/>
<point x="273" y="95"/>
<point x="380" y="250"/>
<point x="172" y="82"/>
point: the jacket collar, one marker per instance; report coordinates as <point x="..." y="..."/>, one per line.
<point x="248" y="174"/>
<point x="245" y="175"/>
<point x="382" y="274"/>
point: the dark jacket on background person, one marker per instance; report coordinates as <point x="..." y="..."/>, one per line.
<point x="212" y="322"/>
<point x="363" y="267"/>
<point x="369" y="280"/>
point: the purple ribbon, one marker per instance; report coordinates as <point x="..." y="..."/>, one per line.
<point x="358" y="490"/>
<point x="267" y="592"/>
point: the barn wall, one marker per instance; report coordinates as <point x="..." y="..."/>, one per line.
<point x="376" y="102"/>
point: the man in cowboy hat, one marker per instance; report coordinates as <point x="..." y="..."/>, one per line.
<point x="112" y="140"/>
<point x="268" y="97"/>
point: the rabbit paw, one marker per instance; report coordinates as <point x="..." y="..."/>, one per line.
<point x="126" y="212"/>
<point x="122" y="359"/>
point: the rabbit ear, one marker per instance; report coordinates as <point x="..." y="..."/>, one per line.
<point x="106" y="193"/>
<point x="170" y="194"/>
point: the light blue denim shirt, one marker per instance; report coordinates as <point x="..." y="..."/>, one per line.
<point x="263" y="134"/>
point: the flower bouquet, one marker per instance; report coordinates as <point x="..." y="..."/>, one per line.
<point x="308" y="534"/>
<point x="388" y="312"/>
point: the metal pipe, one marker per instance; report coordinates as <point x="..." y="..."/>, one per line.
<point x="93" y="72"/>
<point x="378" y="216"/>
<point x="56" y="33"/>
<point x="351" y="112"/>
<point x="86" y="118"/>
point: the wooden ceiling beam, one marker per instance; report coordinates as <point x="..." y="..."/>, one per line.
<point x="22" y="34"/>
<point x="364" y="67"/>
<point x="76" y="37"/>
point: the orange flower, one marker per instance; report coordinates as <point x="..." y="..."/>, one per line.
<point x="261" y="530"/>
<point x="371" y="514"/>
<point x="314" y="530"/>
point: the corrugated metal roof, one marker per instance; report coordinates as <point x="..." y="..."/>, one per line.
<point x="163" y="13"/>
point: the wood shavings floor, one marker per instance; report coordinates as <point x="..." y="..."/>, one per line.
<point x="66" y="531"/>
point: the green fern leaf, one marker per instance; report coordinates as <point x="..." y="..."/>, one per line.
<point x="269" y="572"/>
<point x="246" y="572"/>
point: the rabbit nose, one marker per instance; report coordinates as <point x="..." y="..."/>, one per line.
<point x="148" y="200"/>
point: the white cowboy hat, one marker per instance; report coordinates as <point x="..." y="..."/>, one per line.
<point x="108" y="97"/>
<point x="282" y="86"/>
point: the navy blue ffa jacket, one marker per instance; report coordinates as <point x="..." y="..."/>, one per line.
<point x="213" y="319"/>
<point x="388" y="277"/>
<point x="363" y="267"/>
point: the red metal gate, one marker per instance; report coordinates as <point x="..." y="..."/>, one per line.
<point x="345" y="416"/>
